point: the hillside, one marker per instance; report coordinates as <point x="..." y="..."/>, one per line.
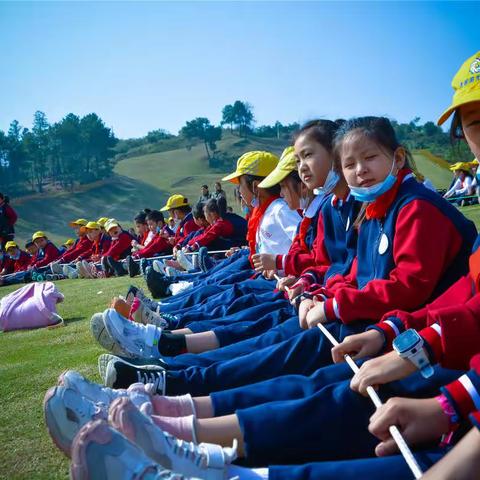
<point x="147" y="181"/>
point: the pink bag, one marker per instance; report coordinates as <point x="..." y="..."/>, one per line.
<point x="32" y="306"/>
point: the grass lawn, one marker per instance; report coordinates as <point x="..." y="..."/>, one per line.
<point x="31" y="362"/>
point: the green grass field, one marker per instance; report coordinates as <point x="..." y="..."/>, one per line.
<point x="30" y="363"/>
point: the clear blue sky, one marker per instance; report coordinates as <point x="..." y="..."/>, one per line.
<point x="143" y="66"/>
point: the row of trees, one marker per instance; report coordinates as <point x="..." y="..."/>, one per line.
<point x="60" y="155"/>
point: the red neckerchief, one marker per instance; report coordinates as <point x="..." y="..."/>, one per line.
<point x="302" y="233"/>
<point x="378" y="208"/>
<point x="474" y="266"/>
<point x="254" y="223"/>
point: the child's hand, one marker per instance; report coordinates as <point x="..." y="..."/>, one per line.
<point x="303" y="310"/>
<point x="294" y="292"/>
<point x="358" y="346"/>
<point x="285" y="282"/>
<point x="381" y="370"/>
<point x="316" y="314"/>
<point x="134" y="243"/>
<point x="263" y="261"/>
<point x="419" y="421"/>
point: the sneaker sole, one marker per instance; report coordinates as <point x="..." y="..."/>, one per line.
<point x="51" y="422"/>
<point x="106" y="358"/>
<point x="101" y="335"/>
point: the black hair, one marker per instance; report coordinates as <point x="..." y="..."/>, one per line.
<point x="205" y="186"/>
<point x="322" y="131"/>
<point x="212" y="207"/>
<point x="222" y="205"/>
<point x="141" y="217"/>
<point x="5" y="198"/>
<point x="155" y="216"/>
<point x="456" y="128"/>
<point x="378" y="129"/>
<point x="197" y="210"/>
<point x="184" y="208"/>
<point x="249" y="179"/>
<point x="29" y="244"/>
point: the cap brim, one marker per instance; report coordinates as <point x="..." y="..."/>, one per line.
<point x="274" y="178"/>
<point x="473" y="97"/>
<point x="233" y="177"/>
<point x="165" y="208"/>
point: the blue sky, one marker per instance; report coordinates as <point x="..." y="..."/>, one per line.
<point x="143" y="66"/>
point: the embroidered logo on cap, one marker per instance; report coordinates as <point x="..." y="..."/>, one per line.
<point x="475" y="66"/>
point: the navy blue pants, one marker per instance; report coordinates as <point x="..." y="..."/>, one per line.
<point x="391" y="468"/>
<point x="331" y="424"/>
<point x="277" y="334"/>
<point x="302" y="354"/>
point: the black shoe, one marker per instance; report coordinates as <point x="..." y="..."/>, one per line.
<point x="121" y="374"/>
<point x="106" y="266"/>
<point x="132" y="267"/>
<point x="117" y="267"/>
<point x="204" y="261"/>
<point x="157" y="283"/>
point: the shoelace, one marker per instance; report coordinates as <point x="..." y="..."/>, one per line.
<point x="188" y="450"/>
<point x="155" y="378"/>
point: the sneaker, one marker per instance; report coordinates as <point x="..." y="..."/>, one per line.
<point x="159" y="266"/>
<point x="179" y="287"/>
<point x="83" y="269"/>
<point x="66" y="411"/>
<point x="182" y="259"/>
<point x="99" y="452"/>
<point x="50" y="277"/>
<point x="172" y="272"/>
<point x="106" y="266"/>
<point x="204" y="260"/>
<point x="157" y="283"/>
<point x="106" y="358"/>
<point x="70" y="272"/>
<point x="206" y="460"/>
<point x="135" y="292"/>
<point x="101" y="335"/>
<point x="169" y="317"/>
<point x="56" y="267"/>
<point x="140" y="341"/>
<point x="121" y="372"/>
<point x="132" y="267"/>
<point x="138" y="393"/>
<point x="147" y="317"/>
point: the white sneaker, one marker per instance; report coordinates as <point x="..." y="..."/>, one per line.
<point x="206" y="460"/>
<point x="146" y="316"/>
<point x="159" y="266"/>
<point x="179" y="287"/>
<point x="84" y="270"/>
<point x="70" y="272"/>
<point x="56" y="268"/>
<point x="184" y="261"/>
<point x="140" y="341"/>
<point x="172" y="272"/>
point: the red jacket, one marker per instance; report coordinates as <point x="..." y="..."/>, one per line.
<point x="50" y="252"/>
<point x="120" y="247"/>
<point x="22" y="263"/>
<point x="220" y="228"/>
<point x="186" y="227"/>
<point x="81" y="249"/>
<point x="154" y="247"/>
<point x="420" y="259"/>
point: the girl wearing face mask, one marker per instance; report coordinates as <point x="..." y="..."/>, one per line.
<point x="399" y="262"/>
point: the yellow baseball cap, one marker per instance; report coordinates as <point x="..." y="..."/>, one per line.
<point x="81" y="222"/>
<point x="111" y="223"/>
<point x="175" y="201"/>
<point x="466" y="86"/>
<point x="474" y="162"/>
<point x="461" y="166"/>
<point x="10" y="244"/>
<point x="257" y="163"/>
<point x="69" y="242"/>
<point x="102" y="221"/>
<point x="38" y="234"/>
<point x="93" y="226"/>
<point x="286" y="165"/>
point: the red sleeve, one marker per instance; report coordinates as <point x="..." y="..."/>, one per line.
<point x="157" y="245"/>
<point x="23" y="262"/>
<point x="8" y="265"/>
<point x="51" y="254"/>
<point x="83" y="248"/>
<point x="11" y="215"/>
<point x="420" y="259"/>
<point x="221" y="228"/>
<point x="119" y="246"/>
<point x="188" y="227"/>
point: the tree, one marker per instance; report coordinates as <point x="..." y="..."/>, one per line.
<point x="239" y="114"/>
<point x="202" y="129"/>
<point x="228" y="117"/>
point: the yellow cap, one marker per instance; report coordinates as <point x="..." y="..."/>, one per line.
<point x="175" y="201"/>
<point x="286" y="165"/>
<point x="10" y="244"/>
<point x="81" y="222"/>
<point x="111" y="223"/>
<point x="69" y="242"/>
<point x="93" y="226"/>
<point x="461" y="166"/>
<point x="257" y="163"/>
<point x="102" y="221"/>
<point x="474" y="162"/>
<point x="38" y="234"/>
<point x="466" y="86"/>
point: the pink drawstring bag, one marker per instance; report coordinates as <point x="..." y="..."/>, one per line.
<point x="32" y="306"/>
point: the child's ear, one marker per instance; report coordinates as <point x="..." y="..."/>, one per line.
<point x="400" y="157"/>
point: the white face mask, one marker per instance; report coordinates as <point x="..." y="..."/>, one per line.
<point x="254" y="203"/>
<point x="330" y="183"/>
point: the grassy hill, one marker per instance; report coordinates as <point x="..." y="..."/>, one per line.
<point x="147" y="180"/>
